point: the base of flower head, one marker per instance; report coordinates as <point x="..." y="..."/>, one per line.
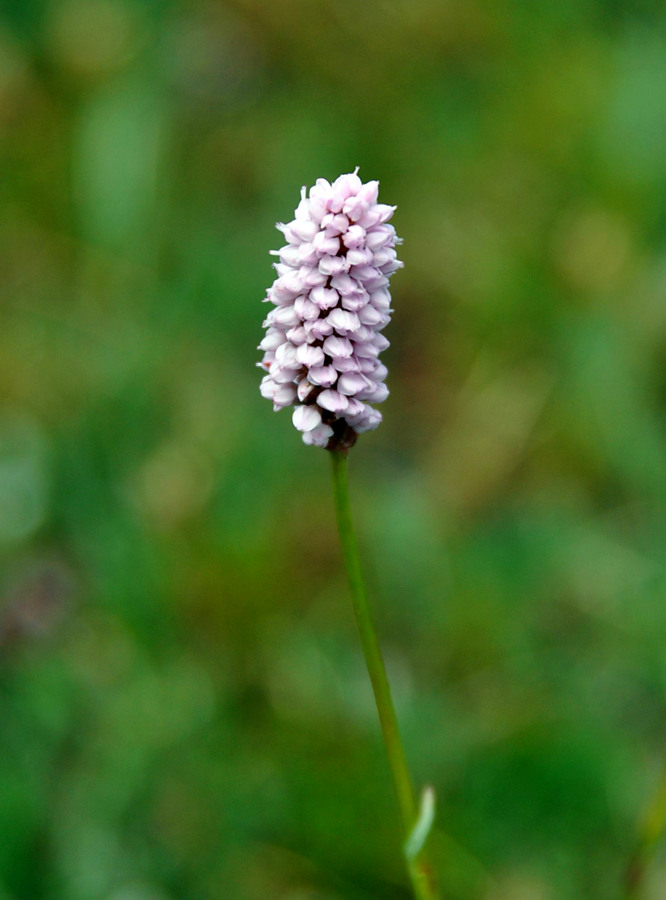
<point x="343" y="439"/>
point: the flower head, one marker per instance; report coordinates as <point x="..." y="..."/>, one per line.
<point x="331" y="302"/>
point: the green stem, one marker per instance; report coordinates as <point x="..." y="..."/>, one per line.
<point x="419" y="869"/>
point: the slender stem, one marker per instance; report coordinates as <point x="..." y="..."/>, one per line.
<point x="419" y="869"/>
<point x="650" y="832"/>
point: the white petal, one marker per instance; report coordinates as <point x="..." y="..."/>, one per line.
<point x="317" y="329"/>
<point x="307" y="255"/>
<point x="305" y="309"/>
<point x="335" y="224"/>
<point x="304" y="390"/>
<point x="297" y="335"/>
<point x="285" y="356"/>
<point x="378" y="371"/>
<point x="344" y="284"/>
<point x="366" y="350"/>
<point x="368" y="192"/>
<point x="366" y="421"/>
<point x="355" y="208"/>
<point x="343" y="321"/>
<point x="272" y="340"/>
<point x="305" y="418"/>
<point x="319" y="436"/>
<point x="375" y="393"/>
<point x="325" y="298"/>
<point x="317" y="209"/>
<point x="304" y="229"/>
<point x="322" y="188"/>
<point x="385" y="212"/>
<point x="381" y="236"/>
<point x="333" y="401"/>
<point x="324" y="376"/>
<point x="284" y="395"/>
<point x="285" y="316"/>
<point x="360" y="258"/>
<point x="349" y="184"/>
<point x="312" y="277"/>
<point x="325" y="245"/>
<point x="267" y="387"/>
<point x="333" y="265"/>
<point x="383" y="256"/>
<point x="309" y="355"/>
<point x="338" y="346"/>
<point x="345" y="364"/>
<point x="353" y="382"/>
<point x="354" y="238"/>
<point x="290" y="256"/>
<point x="355" y="408"/>
<point x="280" y="375"/>
<point x="371" y="316"/>
<point x="381" y="300"/>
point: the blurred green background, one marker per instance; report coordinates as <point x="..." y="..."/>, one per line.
<point x="184" y="711"/>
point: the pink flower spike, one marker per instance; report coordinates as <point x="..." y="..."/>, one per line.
<point x="331" y="302"/>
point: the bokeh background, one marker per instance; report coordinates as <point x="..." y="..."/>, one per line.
<point x="184" y="711"/>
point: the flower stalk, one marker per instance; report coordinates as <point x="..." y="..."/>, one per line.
<point x="419" y="869"/>
<point x="321" y="356"/>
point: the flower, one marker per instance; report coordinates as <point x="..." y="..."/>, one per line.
<point x="331" y="302"/>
